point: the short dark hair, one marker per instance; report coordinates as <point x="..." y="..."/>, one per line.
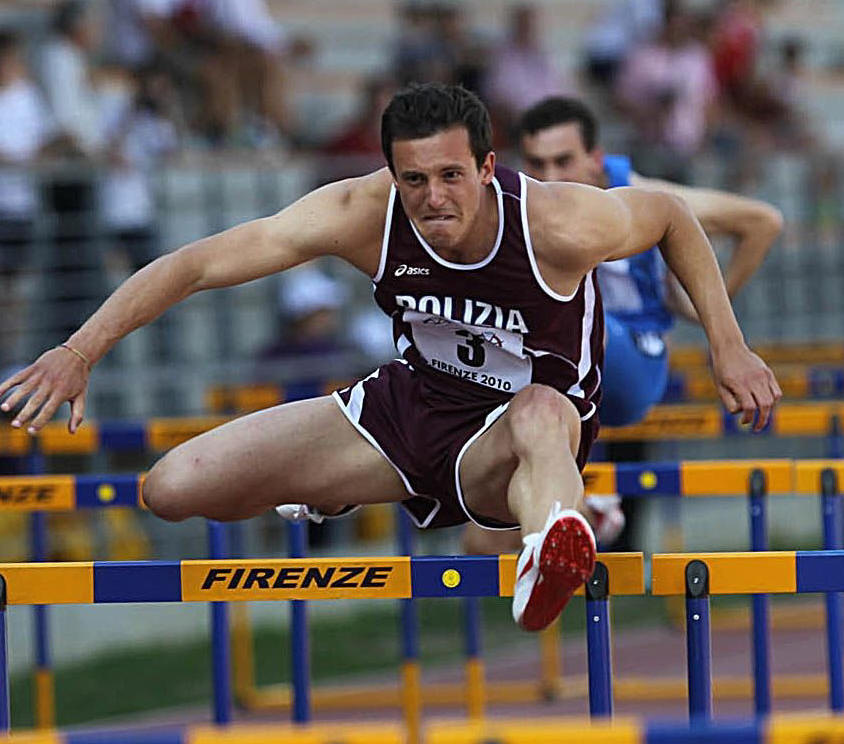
<point x="10" y="42"/>
<point x="422" y="110"/>
<point x="550" y="112"/>
<point x="68" y="15"/>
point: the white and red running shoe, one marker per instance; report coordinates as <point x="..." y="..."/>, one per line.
<point x="303" y="512"/>
<point x="551" y="567"/>
<point x="299" y="513"/>
<point x="606" y="516"/>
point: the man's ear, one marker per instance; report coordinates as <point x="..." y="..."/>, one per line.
<point x="488" y="168"/>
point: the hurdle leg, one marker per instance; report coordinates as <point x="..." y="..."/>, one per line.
<point x="44" y="688"/>
<point x="300" y="647"/>
<point x="44" y="684"/>
<point x="411" y="684"/>
<point x="549" y="660"/>
<point x="698" y="641"/>
<point x="243" y="658"/>
<point x="475" y="694"/>
<point x="761" y="603"/>
<point x="220" y="650"/>
<point x="5" y="715"/>
<point x="831" y="541"/>
<point x="599" y="648"/>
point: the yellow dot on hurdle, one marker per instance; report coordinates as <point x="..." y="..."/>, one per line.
<point x="648" y="479"/>
<point x="106" y="493"/>
<point x="451" y="578"/>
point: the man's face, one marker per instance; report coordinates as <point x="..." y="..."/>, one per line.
<point x="440" y="185"/>
<point x="558" y="154"/>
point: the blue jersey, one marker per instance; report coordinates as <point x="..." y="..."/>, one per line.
<point x="633" y="289"/>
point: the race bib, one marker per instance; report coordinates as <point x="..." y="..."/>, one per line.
<point x="487" y="356"/>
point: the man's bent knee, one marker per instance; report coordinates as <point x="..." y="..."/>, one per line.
<point x="539" y="415"/>
<point x="166" y="491"/>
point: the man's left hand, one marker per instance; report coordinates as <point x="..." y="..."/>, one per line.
<point x="745" y="383"/>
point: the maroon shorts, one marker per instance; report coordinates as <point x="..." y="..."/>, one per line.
<point x="423" y="426"/>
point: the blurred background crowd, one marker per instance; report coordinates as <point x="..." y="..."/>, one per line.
<point x="130" y="127"/>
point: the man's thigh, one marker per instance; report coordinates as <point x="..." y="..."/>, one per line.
<point x="489" y="463"/>
<point x="302" y="452"/>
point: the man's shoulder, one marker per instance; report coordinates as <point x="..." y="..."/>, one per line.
<point x="562" y="200"/>
<point x="375" y="185"/>
<point x="571" y="222"/>
<point x="366" y="193"/>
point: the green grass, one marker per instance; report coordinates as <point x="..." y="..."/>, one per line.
<point x="366" y="641"/>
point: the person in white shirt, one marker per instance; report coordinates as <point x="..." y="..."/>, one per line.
<point x="26" y="127"/>
<point x="142" y="134"/>
<point x="66" y="73"/>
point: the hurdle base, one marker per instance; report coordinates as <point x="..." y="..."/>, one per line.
<point x="454" y="694"/>
<point x="804" y="616"/>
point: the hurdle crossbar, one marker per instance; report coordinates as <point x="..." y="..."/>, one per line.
<point x="772" y="572"/>
<point x="812" y="353"/>
<point x="36" y="493"/>
<point x="394" y="577"/>
<point x="675" y="421"/>
<point x="797" y="381"/>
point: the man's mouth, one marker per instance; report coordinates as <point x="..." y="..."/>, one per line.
<point x="439" y="217"/>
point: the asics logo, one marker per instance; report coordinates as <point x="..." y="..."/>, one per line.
<point x="411" y="271"/>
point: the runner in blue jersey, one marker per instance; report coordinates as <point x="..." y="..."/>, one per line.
<point x="558" y="141"/>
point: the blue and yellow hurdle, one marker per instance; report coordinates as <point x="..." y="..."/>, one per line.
<point x="696" y="576"/>
<point x="63" y="493"/>
<point x="642" y="479"/>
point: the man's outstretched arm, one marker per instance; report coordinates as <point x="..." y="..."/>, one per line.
<point x="744" y="381"/>
<point x="580" y="227"/>
<point x="320" y="223"/>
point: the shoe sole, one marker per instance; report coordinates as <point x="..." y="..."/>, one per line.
<point x="566" y="561"/>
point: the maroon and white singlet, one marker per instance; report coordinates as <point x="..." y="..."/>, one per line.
<point x="470" y="337"/>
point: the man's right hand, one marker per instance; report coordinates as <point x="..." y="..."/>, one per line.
<point x="58" y="375"/>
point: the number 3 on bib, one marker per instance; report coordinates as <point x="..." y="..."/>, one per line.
<point x="471" y="352"/>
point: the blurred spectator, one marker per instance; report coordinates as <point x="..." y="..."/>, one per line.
<point x="764" y="104"/>
<point x="735" y="44"/>
<point x="66" y="75"/>
<point x="310" y="320"/>
<point x="788" y="86"/>
<point x="255" y="51"/>
<point x="466" y="51"/>
<point x="142" y="135"/>
<point x="628" y="24"/>
<point x="26" y="127"/>
<point x="142" y="31"/>
<point x="521" y="72"/>
<point x="356" y="148"/>
<point x="421" y="54"/>
<point x="316" y="317"/>
<point x="669" y="90"/>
